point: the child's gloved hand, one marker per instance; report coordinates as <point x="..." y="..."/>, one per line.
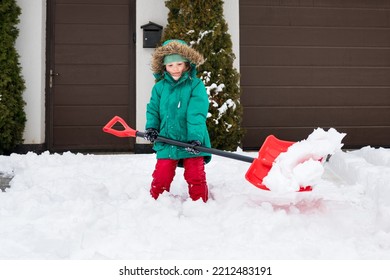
<point x="192" y="149"/>
<point x="151" y="134"/>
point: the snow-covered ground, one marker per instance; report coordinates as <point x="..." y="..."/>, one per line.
<point x="75" y="206"/>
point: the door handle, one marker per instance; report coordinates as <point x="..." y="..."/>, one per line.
<point x="52" y="74"/>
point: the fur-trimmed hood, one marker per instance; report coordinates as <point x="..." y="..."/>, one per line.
<point x="174" y="47"/>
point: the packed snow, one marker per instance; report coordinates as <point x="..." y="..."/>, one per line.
<point x="85" y="206"/>
<point x="301" y="165"/>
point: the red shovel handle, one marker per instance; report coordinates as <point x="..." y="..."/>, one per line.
<point x="127" y="132"/>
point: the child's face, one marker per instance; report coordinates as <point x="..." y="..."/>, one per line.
<point x="176" y="69"/>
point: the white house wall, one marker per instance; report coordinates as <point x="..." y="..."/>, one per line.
<point x="31" y="46"/>
<point x="155" y="11"/>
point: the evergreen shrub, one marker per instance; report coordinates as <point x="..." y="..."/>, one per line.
<point x="201" y="24"/>
<point x="12" y="115"/>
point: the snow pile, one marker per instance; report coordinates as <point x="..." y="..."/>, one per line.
<point x="75" y="206"/>
<point x="368" y="168"/>
<point x="301" y="165"/>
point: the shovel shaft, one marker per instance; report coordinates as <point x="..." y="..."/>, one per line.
<point x="200" y="148"/>
<point x="258" y="169"/>
<point x="130" y="132"/>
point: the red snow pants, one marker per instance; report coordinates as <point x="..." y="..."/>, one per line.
<point x="194" y="174"/>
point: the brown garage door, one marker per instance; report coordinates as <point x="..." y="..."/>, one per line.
<point x="91" y="73"/>
<point x="308" y="64"/>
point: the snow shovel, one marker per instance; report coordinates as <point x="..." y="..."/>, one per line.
<point x="259" y="168"/>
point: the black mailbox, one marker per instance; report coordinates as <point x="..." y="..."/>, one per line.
<point x="152" y="34"/>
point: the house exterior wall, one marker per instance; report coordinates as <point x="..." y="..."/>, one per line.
<point x="31" y="45"/>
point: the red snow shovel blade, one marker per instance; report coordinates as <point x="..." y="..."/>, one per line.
<point x="261" y="165"/>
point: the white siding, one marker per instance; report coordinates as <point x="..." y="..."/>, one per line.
<point x="31" y="46"/>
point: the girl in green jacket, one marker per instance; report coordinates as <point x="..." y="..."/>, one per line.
<point x="178" y="110"/>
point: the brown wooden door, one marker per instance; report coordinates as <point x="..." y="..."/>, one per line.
<point x="309" y="64"/>
<point x="91" y="73"/>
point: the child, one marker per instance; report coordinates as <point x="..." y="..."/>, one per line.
<point x="178" y="110"/>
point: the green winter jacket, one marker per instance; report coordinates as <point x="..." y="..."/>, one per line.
<point x="178" y="110"/>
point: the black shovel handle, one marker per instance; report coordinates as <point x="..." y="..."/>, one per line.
<point x="200" y="148"/>
<point x="130" y="132"/>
